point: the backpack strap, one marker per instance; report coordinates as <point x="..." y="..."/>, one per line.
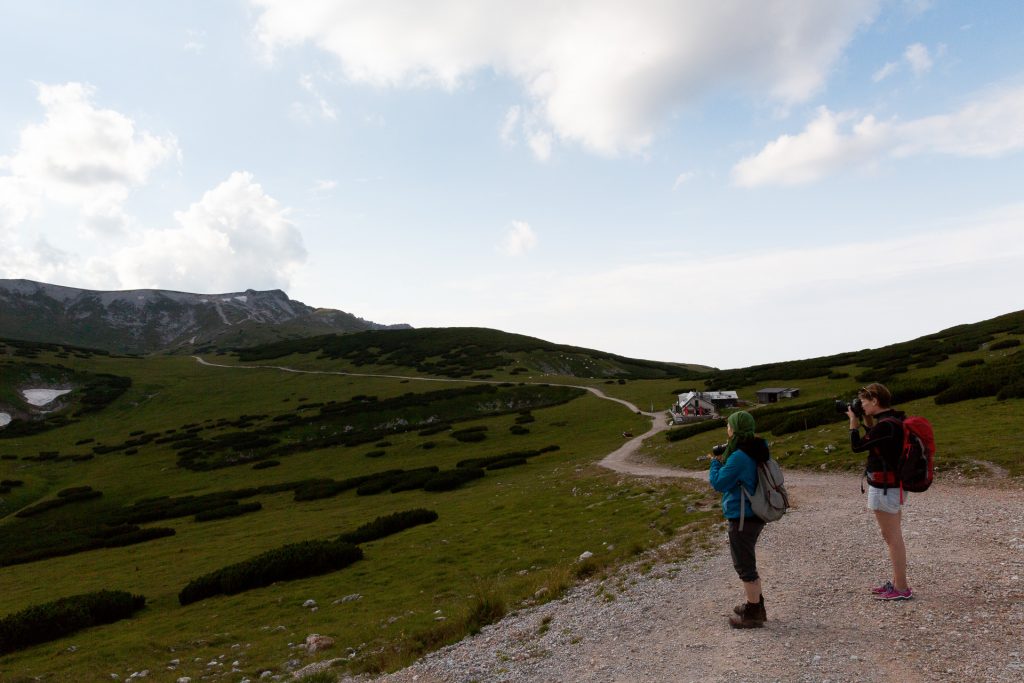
<point x="743" y="505"/>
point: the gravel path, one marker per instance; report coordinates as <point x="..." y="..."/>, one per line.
<point x="965" y="545"/>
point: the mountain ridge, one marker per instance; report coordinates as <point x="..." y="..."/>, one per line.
<point x="141" y="321"/>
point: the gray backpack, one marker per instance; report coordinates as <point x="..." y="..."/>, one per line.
<point x="770" y="499"/>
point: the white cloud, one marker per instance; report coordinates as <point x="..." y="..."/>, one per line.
<point x="682" y="179"/>
<point x="324" y="186"/>
<point x="991" y="126"/>
<point x="195" y="41"/>
<point x="527" y="124"/>
<point x="519" y="239"/>
<point x="235" y="237"/>
<point x="917" y="7"/>
<point x="510" y="125"/>
<point x="605" y="74"/>
<point x="80" y="156"/>
<point x="918" y="57"/>
<point x="540" y="144"/>
<point x="887" y="70"/>
<point x="322" y="108"/>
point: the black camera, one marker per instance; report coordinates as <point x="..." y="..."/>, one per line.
<point x="718" y="449"/>
<point x="855" y="405"/>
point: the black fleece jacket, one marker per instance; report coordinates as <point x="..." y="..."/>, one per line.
<point x="884" y="445"/>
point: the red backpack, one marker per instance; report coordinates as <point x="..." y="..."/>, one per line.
<point x="916" y="467"/>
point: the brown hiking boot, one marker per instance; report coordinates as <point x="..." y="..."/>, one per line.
<point x="749" y="615"/>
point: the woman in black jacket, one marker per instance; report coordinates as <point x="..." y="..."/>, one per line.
<point x="883" y="443"/>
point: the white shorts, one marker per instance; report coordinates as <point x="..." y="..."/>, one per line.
<point x="885" y="500"/>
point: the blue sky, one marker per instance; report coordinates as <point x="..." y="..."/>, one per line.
<point x="715" y="182"/>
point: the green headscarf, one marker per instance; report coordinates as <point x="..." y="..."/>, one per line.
<point x="742" y="424"/>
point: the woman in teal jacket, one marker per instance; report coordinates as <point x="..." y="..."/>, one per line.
<point x="735" y="467"/>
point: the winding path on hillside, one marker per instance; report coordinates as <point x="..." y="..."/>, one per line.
<point x="618" y="460"/>
<point x="965" y="544"/>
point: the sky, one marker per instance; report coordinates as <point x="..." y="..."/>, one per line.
<point x="716" y="182"/>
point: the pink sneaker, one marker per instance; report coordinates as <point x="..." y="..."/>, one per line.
<point x="893" y="594"/>
<point x="884" y="588"/>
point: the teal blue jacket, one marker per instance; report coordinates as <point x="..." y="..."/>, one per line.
<point x="739" y="468"/>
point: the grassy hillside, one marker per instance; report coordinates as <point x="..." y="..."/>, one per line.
<point x="968" y="380"/>
<point x="474" y="352"/>
<point x="314" y="455"/>
<point x="513" y="535"/>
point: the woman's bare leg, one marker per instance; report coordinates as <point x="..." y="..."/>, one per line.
<point x="892" y="532"/>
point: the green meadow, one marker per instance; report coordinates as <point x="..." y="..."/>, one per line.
<point x="501" y="541"/>
<point x="300" y="442"/>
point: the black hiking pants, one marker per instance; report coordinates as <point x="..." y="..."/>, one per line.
<point x="741" y="546"/>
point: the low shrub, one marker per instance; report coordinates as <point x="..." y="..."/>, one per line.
<point x="266" y="464"/>
<point x="1015" y="390"/>
<point x="100" y="537"/>
<point x="73" y="491"/>
<point x="1003" y="344"/>
<point x="289" y="562"/>
<point x="518" y="430"/>
<point x="468" y="436"/>
<point x="681" y="433"/>
<point x="378" y="485"/>
<point x="53" y="620"/>
<point x="450" y="480"/>
<point x="509" y="462"/>
<point x="512" y="455"/>
<point x="374" y="454"/>
<point x="411" y="481"/>
<point x="328" y="488"/>
<point x="970" y="362"/>
<point x="54" y="503"/>
<point x="388" y="525"/>
<point x="434" y="429"/>
<point x="904" y="391"/>
<point x="227" y="511"/>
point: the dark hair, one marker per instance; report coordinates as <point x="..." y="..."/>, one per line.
<point x="878" y="392"/>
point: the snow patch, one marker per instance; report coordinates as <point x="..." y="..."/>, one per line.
<point x="242" y="298"/>
<point x="5" y="419"/>
<point x="40" y="397"/>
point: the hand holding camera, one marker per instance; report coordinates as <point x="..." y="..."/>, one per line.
<point x="855" y="406"/>
<point x="717" y="450"/>
<point x="854" y="409"/>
